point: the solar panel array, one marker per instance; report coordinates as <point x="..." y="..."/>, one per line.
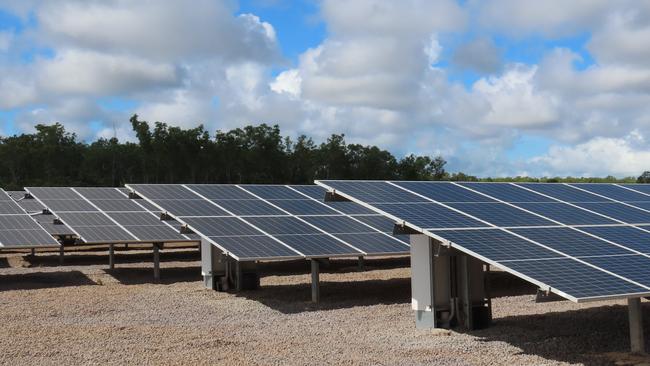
<point x="255" y="222"/>
<point x="105" y="215"/>
<point x="582" y="241"/>
<point x="18" y="229"/>
<point x="37" y="212"/>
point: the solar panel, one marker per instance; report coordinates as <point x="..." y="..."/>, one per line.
<point x="18" y="229"/>
<point x="429" y="215"/>
<point x="642" y="188"/>
<point x="105" y="215"/>
<point x="293" y="220"/>
<point x="613" y="191"/>
<point x="576" y="261"/>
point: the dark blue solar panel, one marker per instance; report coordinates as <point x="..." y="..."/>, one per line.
<point x="613" y="192"/>
<point x="571" y="242"/>
<point x="338" y="224"/>
<point x="282" y="225"/>
<point x="641" y="205"/>
<point x="315" y="192"/>
<point x="443" y="192"/>
<point x="374" y="191"/>
<point x="496" y="244"/>
<point x="252" y="207"/>
<point x="628" y="236"/>
<point x="563" y="192"/>
<point x="619" y="211"/>
<point x="643" y="188"/>
<point x="379" y="222"/>
<point x="374" y="243"/>
<point x="220" y="192"/>
<point x="194" y="207"/>
<point x="254" y="247"/>
<point x="575" y="279"/>
<point x="318" y="245"/>
<point x="304" y="207"/>
<point x="507" y="192"/>
<point x="429" y="215"/>
<point x="566" y="214"/>
<point x="501" y="214"/>
<point x="350" y="208"/>
<point x="269" y="192"/>
<point x="220" y="226"/>
<point x="635" y="267"/>
<point x="163" y="191"/>
<point x="56" y="193"/>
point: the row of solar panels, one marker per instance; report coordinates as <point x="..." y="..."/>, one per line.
<point x="583" y="241"/>
<point x="294" y="223"/>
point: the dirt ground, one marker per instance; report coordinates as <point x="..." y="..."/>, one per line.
<point x="83" y="313"/>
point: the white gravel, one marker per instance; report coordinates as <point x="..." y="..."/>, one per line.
<point x="81" y="313"/>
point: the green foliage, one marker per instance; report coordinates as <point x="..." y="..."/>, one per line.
<point x="166" y="154"/>
<point x="252" y="154"/>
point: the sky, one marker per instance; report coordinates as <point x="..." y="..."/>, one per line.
<point x="497" y="87"/>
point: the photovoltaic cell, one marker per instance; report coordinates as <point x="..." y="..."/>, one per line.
<point x="429" y="215"/>
<point x="338" y="224"/>
<point x="627" y="236"/>
<point x="303" y="207"/>
<point x="374" y="242"/>
<point x="576" y="279"/>
<point x="254" y="247"/>
<point x="643" y="188"/>
<point x="191" y="207"/>
<point x="221" y="226"/>
<point x="563" y="192"/>
<point x="626" y="214"/>
<point x="375" y="192"/>
<point x="507" y="192"/>
<point x="634" y="267"/>
<point x="282" y="225"/>
<point x="249" y="207"/>
<point x="273" y="192"/>
<point x="318" y="245"/>
<point x="565" y="214"/>
<point x="501" y="214"/>
<point x="220" y="192"/>
<point x="613" y="192"/>
<point x="571" y="242"/>
<point x="496" y="244"/>
<point x="443" y="192"/>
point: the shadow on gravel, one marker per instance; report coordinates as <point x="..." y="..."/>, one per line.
<point x="4" y="263"/>
<point x="587" y="336"/>
<point x="505" y="284"/>
<point x="291" y="299"/>
<point x="139" y="276"/>
<point x="82" y="258"/>
<point x="31" y="281"/>
<point x="294" y="267"/>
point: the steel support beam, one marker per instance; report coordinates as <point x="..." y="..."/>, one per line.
<point x="156" y="261"/>
<point x="111" y="256"/>
<point x="635" y="313"/>
<point x="61" y="254"/>
<point x="362" y="265"/>
<point x="315" y="281"/>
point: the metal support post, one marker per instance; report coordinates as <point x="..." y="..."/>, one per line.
<point x="635" y="313"/>
<point x="111" y="256"/>
<point x="61" y="254"/>
<point x="239" y="277"/>
<point x="467" y="293"/>
<point x="361" y="264"/>
<point x="315" y="282"/>
<point x="33" y="252"/>
<point x="156" y="261"/>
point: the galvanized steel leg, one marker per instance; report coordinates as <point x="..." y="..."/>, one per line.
<point x="238" y="276"/>
<point x="61" y="253"/>
<point x="361" y="264"/>
<point x="33" y="252"/>
<point x="156" y="262"/>
<point x="111" y="256"/>
<point x="315" y="282"/>
<point x="637" y="342"/>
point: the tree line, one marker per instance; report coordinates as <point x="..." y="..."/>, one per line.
<point x="53" y="156"/>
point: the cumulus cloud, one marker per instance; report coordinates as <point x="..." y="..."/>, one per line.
<point x="381" y="75"/>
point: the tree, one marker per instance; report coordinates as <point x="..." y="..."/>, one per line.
<point x="644" y="177"/>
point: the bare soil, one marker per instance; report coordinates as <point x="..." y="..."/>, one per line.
<point x="83" y="313"/>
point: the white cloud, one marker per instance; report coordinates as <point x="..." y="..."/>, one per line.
<point x="480" y="55"/>
<point x="288" y="82"/>
<point x="601" y="156"/>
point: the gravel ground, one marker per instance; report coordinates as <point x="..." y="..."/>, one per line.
<point x="81" y="313"/>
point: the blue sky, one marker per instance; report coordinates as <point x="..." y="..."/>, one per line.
<point x="498" y="87"/>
